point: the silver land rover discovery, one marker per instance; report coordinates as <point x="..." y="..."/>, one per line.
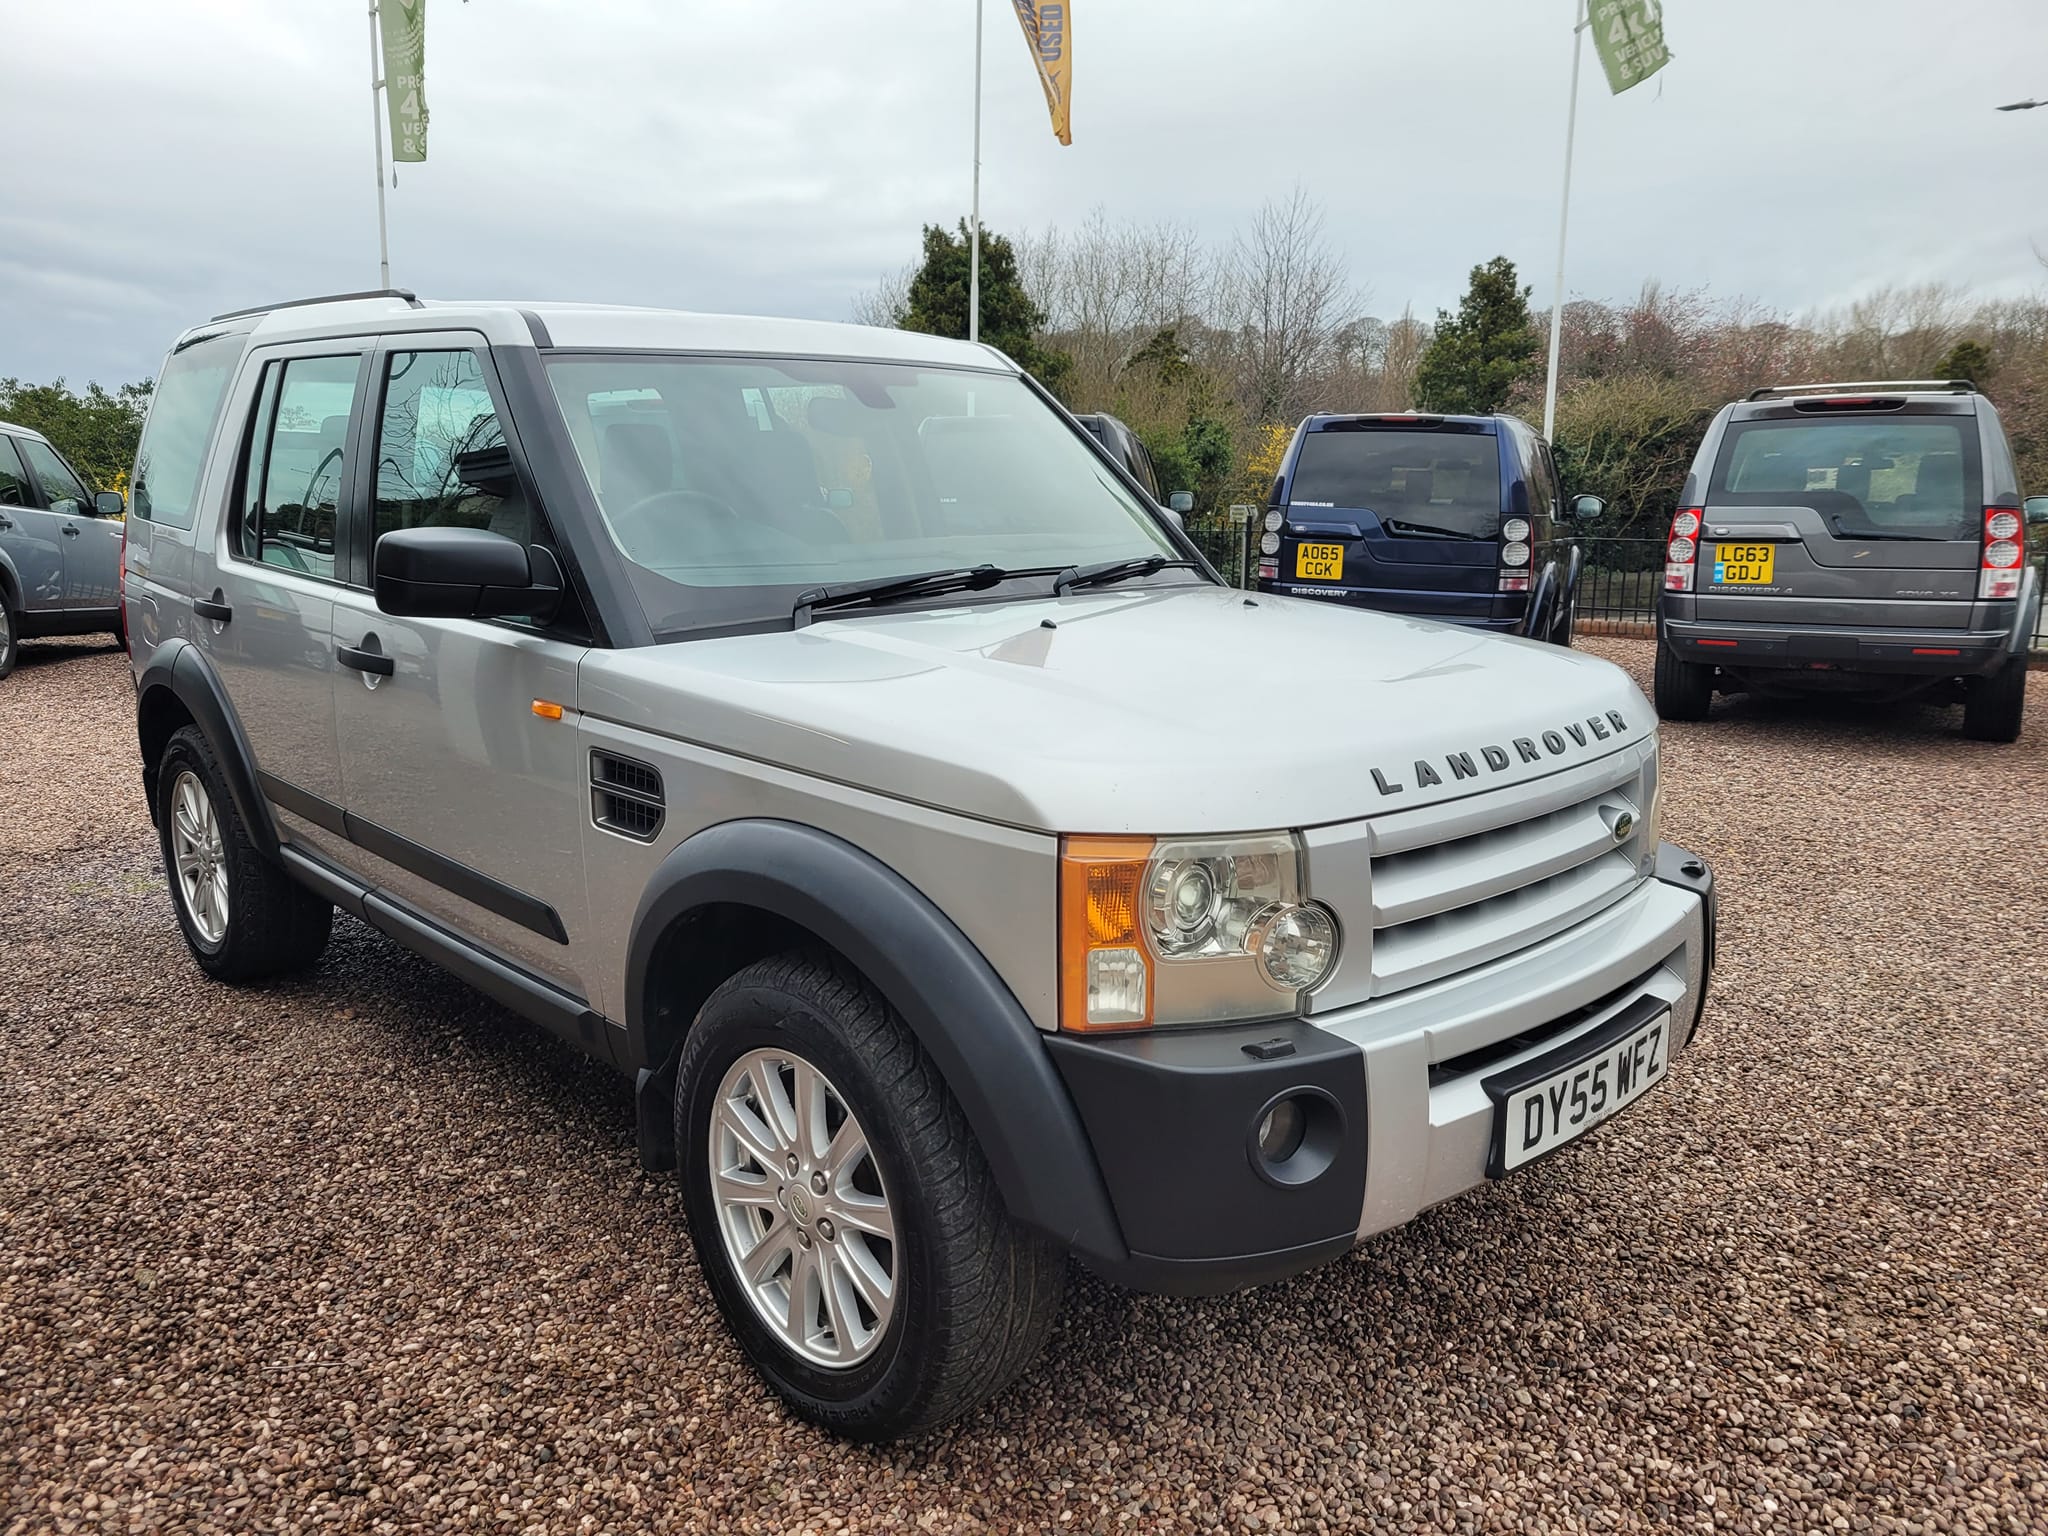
<point x="814" y="722"/>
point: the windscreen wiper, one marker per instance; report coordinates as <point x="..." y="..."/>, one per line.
<point x="1873" y="533"/>
<point x="888" y="589"/>
<point x="1428" y="530"/>
<point x="1115" y="570"/>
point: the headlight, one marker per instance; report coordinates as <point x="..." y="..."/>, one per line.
<point x="1187" y="931"/>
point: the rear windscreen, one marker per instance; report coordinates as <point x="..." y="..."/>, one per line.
<point x="1434" y="482"/>
<point x="1908" y="475"/>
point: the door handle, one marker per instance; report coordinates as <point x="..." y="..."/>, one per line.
<point x="208" y="608"/>
<point x="71" y="530"/>
<point x="373" y="662"/>
<point x="6" y="523"/>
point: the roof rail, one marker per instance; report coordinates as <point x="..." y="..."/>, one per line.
<point x="1948" y="386"/>
<point x="406" y="294"/>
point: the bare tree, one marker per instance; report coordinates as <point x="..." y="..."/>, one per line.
<point x="888" y="301"/>
<point x="1285" y="295"/>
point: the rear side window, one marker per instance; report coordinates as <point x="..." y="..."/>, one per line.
<point x="442" y="461"/>
<point x="1438" y="482"/>
<point x="14" y="491"/>
<point x="1906" y="475"/>
<point x="182" y="413"/>
<point x="295" y="464"/>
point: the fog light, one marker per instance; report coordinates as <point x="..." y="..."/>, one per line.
<point x="1296" y="946"/>
<point x="1281" y="1132"/>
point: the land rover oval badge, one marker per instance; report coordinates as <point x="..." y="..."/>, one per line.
<point x="1624" y="824"/>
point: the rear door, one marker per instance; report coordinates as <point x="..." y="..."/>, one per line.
<point x="1402" y="512"/>
<point x="1824" y="512"/>
<point x="91" y="543"/>
<point x="29" y="536"/>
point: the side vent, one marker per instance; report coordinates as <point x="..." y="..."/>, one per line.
<point x="625" y="796"/>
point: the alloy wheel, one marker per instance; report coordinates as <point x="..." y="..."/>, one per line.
<point x="200" y="859"/>
<point x="802" y="1209"/>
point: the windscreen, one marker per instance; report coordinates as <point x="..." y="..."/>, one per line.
<point x="1908" y="475"/>
<point x="732" y="485"/>
<point x="1426" y="482"/>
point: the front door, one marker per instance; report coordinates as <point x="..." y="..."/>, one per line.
<point x="463" y="783"/>
<point x="91" y="544"/>
<point x="29" y="536"/>
<point x="265" y="615"/>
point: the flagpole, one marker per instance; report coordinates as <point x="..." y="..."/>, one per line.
<point x="377" y="136"/>
<point x="974" y="238"/>
<point x="1571" y="125"/>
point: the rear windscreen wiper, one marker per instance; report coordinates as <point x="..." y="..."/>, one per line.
<point x="1427" y="530"/>
<point x="887" y="589"/>
<point x="1874" y="533"/>
<point x="1115" y="570"/>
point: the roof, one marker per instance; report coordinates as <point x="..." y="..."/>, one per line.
<point x="14" y="430"/>
<point x="577" y="326"/>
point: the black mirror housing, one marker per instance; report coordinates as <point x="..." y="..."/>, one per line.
<point x="463" y="573"/>
<point x="109" y="504"/>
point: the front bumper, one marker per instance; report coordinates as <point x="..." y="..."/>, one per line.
<point x="1932" y="653"/>
<point x="1400" y="1118"/>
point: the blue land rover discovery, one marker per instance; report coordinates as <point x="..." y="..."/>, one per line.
<point x="1458" y="518"/>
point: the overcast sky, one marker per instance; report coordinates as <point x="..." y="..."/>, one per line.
<point x="775" y="156"/>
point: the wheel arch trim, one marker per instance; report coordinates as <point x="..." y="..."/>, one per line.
<point x="991" y="1055"/>
<point x="178" y="668"/>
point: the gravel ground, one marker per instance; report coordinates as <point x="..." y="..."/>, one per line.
<point x="364" y="1252"/>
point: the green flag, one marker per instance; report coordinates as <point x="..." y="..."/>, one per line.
<point x="1630" y="37"/>
<point x="404" y="25"/>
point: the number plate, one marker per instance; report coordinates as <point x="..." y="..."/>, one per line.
<point x="1744" y="565"/>
<point x="1535" y="1115"/>
<point x="1319" y="562"/>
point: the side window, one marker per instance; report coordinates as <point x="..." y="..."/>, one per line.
<point x="14" y="491"/>
<point x="441" y="455"/>
<point x="61" y="488"/>
<point x="1543" y="491"/>
<point x="295" y="463"/>
<point x="182" y="410"/>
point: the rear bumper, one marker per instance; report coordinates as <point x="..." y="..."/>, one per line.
<point x="1399" y="1116"/>
<point x="1905" y="652"/>
<point x="1469" y="610"/>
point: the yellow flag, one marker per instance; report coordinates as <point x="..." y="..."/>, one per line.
<point x="1049" y="31"/>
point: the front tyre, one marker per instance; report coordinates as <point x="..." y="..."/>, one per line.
<point x="1995" y="706"/>
<point x="1684" y="690"/>
<point x="842" y="1212"/>
<point x="243" y="917"/>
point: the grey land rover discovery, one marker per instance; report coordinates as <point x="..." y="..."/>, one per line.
<point x="817" y="724"/>
<point x="1863" y="538"/>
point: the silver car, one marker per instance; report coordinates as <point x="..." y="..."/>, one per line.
<point x="817" y="724"/>
<point x="1853" y="538"/>
<point x="60" y="547"/>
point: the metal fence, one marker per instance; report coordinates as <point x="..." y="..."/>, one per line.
<point x="1618" y="585"/>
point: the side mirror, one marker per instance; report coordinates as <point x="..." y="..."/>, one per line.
<point x="109" y="504"/>
<point x="1588" y="509"/>
<point x="1182" y="502"/>
<point x="2037" y="509"/>
<point x="839" y="498"/>
<point x="463" y="573"/>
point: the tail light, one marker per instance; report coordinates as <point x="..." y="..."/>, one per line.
<point x="1681" y="556"/>
<point x="1514" y="555"/>
<point x="1269" y="570"/>
<point x="2005" y="555"/>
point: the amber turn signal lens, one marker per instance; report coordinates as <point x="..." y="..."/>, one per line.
<point x="1105" y="967"/>
<point x="546" y="710"/>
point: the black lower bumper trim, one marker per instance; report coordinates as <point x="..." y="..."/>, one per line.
<point x="1215" y="1277"/>
<point x="1688" y="871"/>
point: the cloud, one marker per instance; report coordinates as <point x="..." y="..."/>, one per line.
<point x="777" y="155"/>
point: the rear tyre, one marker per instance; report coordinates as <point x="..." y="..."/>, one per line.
<point x="842" y="1212"/>
<point x="10" y="632"/>
<point x="243" y="917"/>
<point x="1685" y="691"/>
<point x="1995" y="705"/>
